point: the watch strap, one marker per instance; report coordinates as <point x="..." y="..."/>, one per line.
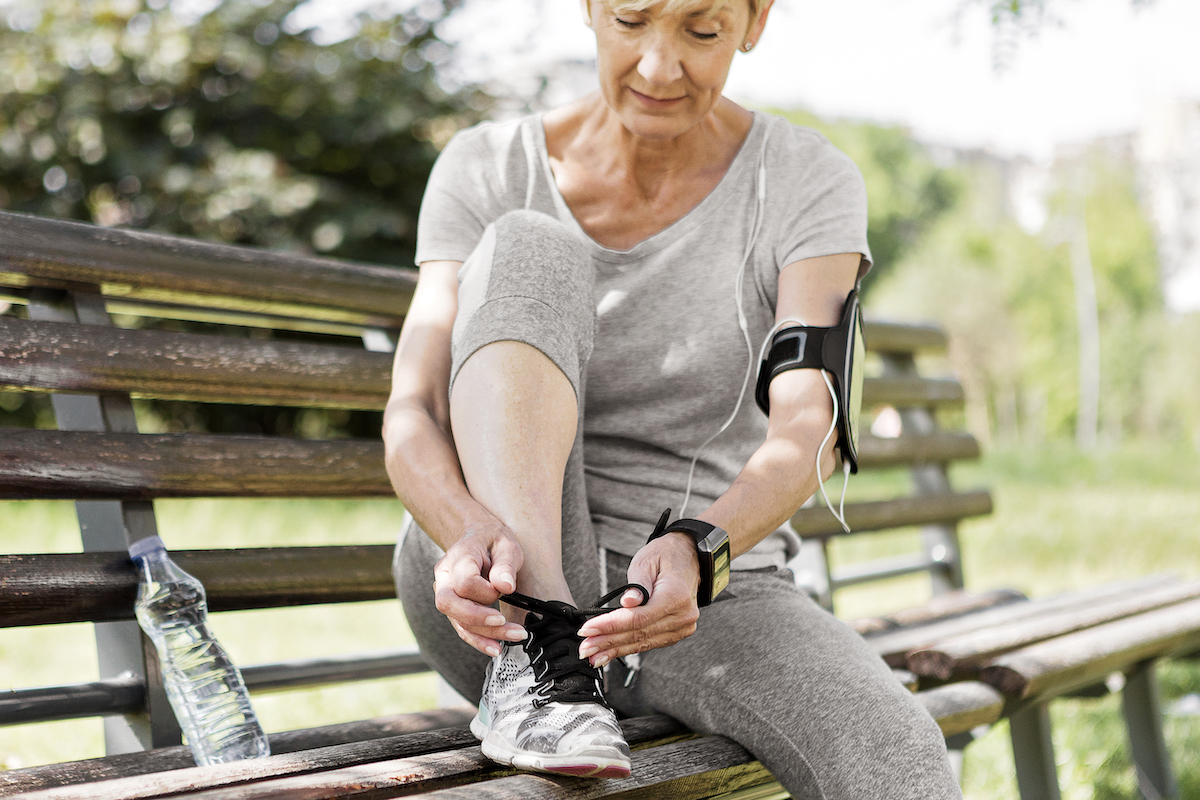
<point x="711" y="583"/>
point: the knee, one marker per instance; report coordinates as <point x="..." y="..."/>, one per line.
<point x="537" y="254"/>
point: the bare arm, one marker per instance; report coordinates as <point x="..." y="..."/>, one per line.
<point x="482" y="557"/>
<point x="777" y="479"/>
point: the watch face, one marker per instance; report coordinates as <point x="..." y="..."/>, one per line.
<point x="716" y="546"/>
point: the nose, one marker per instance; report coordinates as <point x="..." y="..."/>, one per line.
<point x="660" y="64"/>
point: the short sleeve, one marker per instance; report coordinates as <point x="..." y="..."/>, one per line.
<point x="820" y="199"/>
<point x="468" y="188"/>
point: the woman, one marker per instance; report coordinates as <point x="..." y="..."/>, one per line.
<point x="595" y="283"/>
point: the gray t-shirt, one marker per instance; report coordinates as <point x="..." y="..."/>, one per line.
<point x="670" y="359"/>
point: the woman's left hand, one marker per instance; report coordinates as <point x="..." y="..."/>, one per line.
<point x="669" y="568"/>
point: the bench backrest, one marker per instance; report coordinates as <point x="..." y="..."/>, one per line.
<point x="70" y="278"/>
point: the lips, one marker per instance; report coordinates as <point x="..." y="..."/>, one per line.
<point x="655" y="101"/>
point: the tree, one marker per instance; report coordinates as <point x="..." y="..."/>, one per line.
<point x="906" y="191"/>
<point x="229" y="125"/>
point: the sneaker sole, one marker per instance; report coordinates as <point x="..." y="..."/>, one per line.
<point x="581" y="765"/>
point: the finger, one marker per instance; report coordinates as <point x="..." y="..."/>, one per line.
<point x="633" y="598"/>
<point x="465" y="611"/>
<point x="507" y="559"/>
<point x="625" y="648"/>
<point x="483" y="644"/>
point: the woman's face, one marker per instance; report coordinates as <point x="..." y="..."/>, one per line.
<point x="662" y="73"/>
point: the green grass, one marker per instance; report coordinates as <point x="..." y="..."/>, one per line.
<point x="1063" y="521"/>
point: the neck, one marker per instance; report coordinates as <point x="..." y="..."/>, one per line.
<point x="710" y="145"/>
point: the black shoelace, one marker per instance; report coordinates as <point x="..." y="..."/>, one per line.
<point x="553" y="646"/>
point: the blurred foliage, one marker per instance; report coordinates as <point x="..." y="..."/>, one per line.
<point x="1007" y="297"/>
<point x="227" y="125"/>
<point x="906" y="191"/>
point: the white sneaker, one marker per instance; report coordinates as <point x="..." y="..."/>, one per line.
<point x="543" y="708"/>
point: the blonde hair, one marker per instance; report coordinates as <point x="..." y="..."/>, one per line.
<point x="680" y="6"/>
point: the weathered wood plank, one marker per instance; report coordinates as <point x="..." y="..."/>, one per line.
<point x="895" y="337"/>
<point x="941" y="607"/>
<point x="959" y="707"/>
<point x="681" y="771"/>
<point x="935" y="448"/>
<point x="138" y="265"/>
<point x="962" y="655"/>
<point x="51" y="356"/>
<point x="165" y="759"/>
<point x="424" y="760"/>
<point x="904" y="392"/>
<point x="61" y="357"/>
<point x="894" y="645"/>
<point x="41" y="589"/>
<point x="83" y="465"/>
<point x="1047" y="669"/>
<point x="817" y="522"/>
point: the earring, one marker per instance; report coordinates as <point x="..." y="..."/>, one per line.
<point x="747" y="47"/>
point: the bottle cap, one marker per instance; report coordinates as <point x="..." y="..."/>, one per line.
<point x="144" y="547"/>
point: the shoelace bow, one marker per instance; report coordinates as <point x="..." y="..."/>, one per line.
<point x="561" y="675"/>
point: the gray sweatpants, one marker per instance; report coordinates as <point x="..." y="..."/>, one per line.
<point x="766" y="667"/>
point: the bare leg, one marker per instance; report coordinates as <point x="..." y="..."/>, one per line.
<point x="514" y="415"/>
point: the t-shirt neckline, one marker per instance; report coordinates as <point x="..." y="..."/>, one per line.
<point x="677" y="229"/>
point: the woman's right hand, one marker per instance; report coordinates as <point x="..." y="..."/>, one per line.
<point x="475" y="571"/>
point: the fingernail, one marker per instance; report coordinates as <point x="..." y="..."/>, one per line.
<point x="600" y="662"/>
<point x="517" y="635"/>
<point x="587" y="631"/>
<point x="508" y="580"/>
<point x="588" y="650"/>
<point x="494" y="620"/>
<point x="493" y="650"/>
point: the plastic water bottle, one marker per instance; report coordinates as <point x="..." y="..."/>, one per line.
<point x="204" y="686"/>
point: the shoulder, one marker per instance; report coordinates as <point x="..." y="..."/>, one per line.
<point x="804" y="154"/>
<point x="486" y="141"/>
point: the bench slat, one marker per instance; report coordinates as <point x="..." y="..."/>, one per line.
<point x="42" y="589"/>
<point x="926" y="509"/>
<point x="58" y="254"/>
<point x="938" y="447"/>
<point x="163" y="759"/>
<point x="893" y="337"/>
<point x="895" y="645"/>
<point x="961" y="655"/>
<point x="1070" y="662"/>
<point x="941" y="607"/>
<point x="437" y="757"/>
<point x="908" y="392"/>
<point x="129" y="466"/>
<point x="959" y="707"/>
<point x="881" y="569"/>
<point x="56" y="356"/>
<point x="127" y="695"/>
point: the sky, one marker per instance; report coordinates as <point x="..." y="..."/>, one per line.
<point x="1098" y="68"/>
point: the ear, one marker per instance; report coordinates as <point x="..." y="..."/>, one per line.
<point x="587" y="12"/>
<point x="757" y="26"/>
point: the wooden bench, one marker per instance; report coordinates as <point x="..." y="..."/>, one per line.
<point x="972" y="658"/>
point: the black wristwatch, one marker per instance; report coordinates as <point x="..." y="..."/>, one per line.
<point x="712" y="547"/>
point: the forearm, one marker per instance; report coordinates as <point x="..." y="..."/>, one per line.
<point x="423" y="467"/>
<point x="783" y="472"/>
